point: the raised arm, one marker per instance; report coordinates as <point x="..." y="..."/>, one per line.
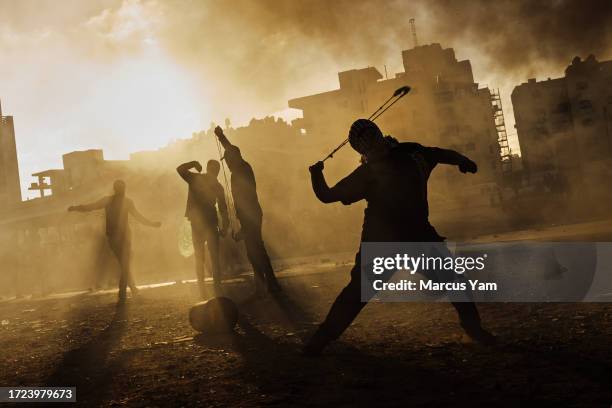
<point x="141" y="218"/>
<point x="222" y="138"/>
<point x="319" y="184"/>
<point x="98" y="205"/>
<point x="348" y="190"/>
<point x="452" y="157"/>
<point x="184" y="169"/>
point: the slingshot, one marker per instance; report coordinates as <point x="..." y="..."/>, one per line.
<point x="397" y="95"/>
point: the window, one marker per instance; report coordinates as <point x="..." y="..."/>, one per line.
<point x="585" y="104"/>
<point x="581" y="85"/>
<point x="563" y="107"/>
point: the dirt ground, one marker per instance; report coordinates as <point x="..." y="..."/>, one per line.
<point x="407" y="354"/>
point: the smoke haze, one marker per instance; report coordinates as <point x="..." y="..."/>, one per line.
<point x="131" y="75"/>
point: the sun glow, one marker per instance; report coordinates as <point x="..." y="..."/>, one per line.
<point x="149" y="100"/>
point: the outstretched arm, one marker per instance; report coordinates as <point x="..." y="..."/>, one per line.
<point x="184" y="169"/>
<point x="98" y="205"/>
<point x="222" y="138"/>
<point x="141" y="218"/>
<point x="452" y="157"/>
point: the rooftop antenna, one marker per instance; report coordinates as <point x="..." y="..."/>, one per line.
<point x="415" y="43"/>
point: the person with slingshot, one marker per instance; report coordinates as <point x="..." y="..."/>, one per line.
<point x="250" y="216"/>
<point x="393" y="180"/>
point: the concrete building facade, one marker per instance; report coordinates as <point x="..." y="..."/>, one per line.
<point x="564" y="126"/>
<point x="445" y="108"/>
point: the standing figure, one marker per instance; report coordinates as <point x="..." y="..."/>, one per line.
<point x="250" y="215"/>
<point x="393" y="180"/>
<point x="117" y="208"/>
<point x="204" y="192"/>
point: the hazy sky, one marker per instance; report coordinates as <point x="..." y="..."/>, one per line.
<point x="129" y="75"/>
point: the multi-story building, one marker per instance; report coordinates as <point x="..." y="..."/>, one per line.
<point x="445" y="108"/>
<point x="10" y="189"/>
<point x="564" y="126"/>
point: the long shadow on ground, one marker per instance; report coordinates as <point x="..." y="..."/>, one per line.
<point x="91" y="368"/>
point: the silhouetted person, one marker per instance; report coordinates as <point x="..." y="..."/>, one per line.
<point x="393" y="180"/>
<point x="249" y="213"/>
<point x="117" y="209"/>
<point x="204" y="192"/>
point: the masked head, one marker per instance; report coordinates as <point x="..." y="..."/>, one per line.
<point x="119" y="187"/>
<point x="365" y="137"/>
<point x="213" y="167"/>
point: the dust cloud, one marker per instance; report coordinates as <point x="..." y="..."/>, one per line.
<point x="246" y="59"/>
<point x="261" y="53"/>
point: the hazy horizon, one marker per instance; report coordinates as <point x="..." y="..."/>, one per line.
<point x="130" y="75"/>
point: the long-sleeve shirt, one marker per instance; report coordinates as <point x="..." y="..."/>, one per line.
<point x="204" y="192"/>
<point x="243" y="184"/>
<point x="117" y="209"/>
<point x="395" y="188"/>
